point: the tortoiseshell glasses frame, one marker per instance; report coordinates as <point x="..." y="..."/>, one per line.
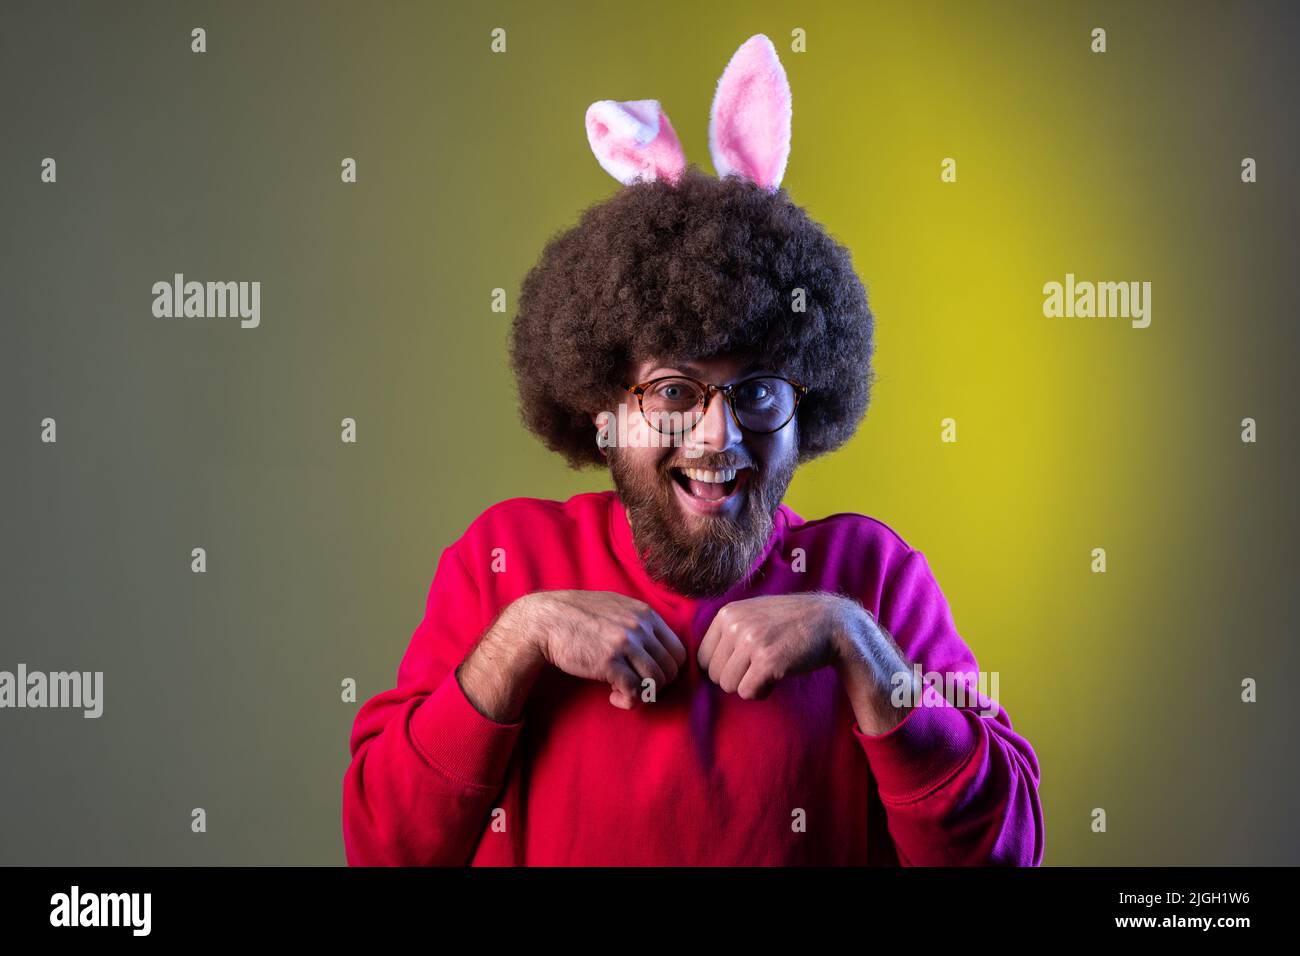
<point x="706" y="392"/>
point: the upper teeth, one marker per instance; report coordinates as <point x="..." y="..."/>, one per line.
<point x="716" y="477"/>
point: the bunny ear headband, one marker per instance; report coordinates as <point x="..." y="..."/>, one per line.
<point x="749" y="126"/>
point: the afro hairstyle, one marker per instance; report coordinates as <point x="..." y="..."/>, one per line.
<point x="678" y="272"/>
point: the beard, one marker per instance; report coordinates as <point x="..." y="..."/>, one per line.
<point x="700" y="555"/>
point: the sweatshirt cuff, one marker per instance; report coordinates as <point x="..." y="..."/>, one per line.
<point x="458" y="740"/>
<point x="933" y="741"/>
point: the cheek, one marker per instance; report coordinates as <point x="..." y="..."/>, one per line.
<point x="645" y="461"/>
<point x="647" y="447"/>
<point x="640" y="453"/>
<point x="639" y="433"/>
<point x="789" y="440"/>
<point x="772" y="450"/>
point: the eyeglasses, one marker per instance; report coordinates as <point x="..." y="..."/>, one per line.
<point x="761" y="405"/>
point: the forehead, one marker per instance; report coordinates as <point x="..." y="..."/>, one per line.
<point x="714" y="368"/>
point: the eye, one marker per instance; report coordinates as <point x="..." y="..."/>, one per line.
<point x="754" y="393"/>
<point x="673" y="394"/>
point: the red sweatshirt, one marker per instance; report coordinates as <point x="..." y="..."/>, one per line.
<point x="699" y="776"/>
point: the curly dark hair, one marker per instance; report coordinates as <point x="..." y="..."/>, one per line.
<point x="689" y="271"/>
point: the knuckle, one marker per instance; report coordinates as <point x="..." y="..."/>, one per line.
<point x="767" y="662"/>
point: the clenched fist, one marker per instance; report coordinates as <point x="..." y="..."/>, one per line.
<point x="753" y="644"/>
<point x="602" y="636"/>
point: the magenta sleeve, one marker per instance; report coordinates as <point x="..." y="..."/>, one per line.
<point x="959" y="785"/>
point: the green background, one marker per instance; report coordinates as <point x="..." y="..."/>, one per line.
<point x="222" y="690"/>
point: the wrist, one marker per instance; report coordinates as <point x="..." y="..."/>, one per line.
<point x="869" y="668"/>
<point x="515" y="642"/>
<point x="498" y="674"/>
<point x="848" y="624"/>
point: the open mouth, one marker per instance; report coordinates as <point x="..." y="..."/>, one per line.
<point x="705" y="484"/>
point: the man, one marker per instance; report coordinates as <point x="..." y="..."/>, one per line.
<point x="683" y="671"/>
<point x="752" y="659"/>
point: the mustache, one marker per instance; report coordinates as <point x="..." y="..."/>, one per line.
<point x="712" y="463"/>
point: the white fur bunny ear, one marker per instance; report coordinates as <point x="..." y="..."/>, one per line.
<point x="634" y="141"/>
<point x="749" y="125"/>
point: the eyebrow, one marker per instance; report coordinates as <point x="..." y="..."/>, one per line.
<point x="692" y="369"/>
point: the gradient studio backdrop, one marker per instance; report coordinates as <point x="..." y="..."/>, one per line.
<point x="222" y="690"/>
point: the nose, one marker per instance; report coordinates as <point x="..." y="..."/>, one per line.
<point x="717" y="430"/>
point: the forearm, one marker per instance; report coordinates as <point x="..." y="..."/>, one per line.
<point x="428" y="764"/>
<point x="870" y="664"/>
<point x="499" y="672"/>
<point x="958" y="784"/>
<point x="945" y="808"/>
<point x="958" y="787"/>
<point x="426" y="770"/>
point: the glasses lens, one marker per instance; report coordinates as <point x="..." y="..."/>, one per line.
<point x="672" y="404"/>
<point x="764" y="404"/>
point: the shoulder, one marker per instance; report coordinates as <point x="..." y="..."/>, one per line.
<point x="846" y="528"/>
<point x="535" y="521"/>
<point x="513" y="512"/>
<point x="847" y="552"/>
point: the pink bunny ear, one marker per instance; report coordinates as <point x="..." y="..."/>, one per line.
<point x="749" y="125"/>
<point x="634" y="140"/>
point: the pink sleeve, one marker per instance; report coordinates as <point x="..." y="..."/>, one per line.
<point x="426" y="765"/>
<point x="958" y="788"/>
